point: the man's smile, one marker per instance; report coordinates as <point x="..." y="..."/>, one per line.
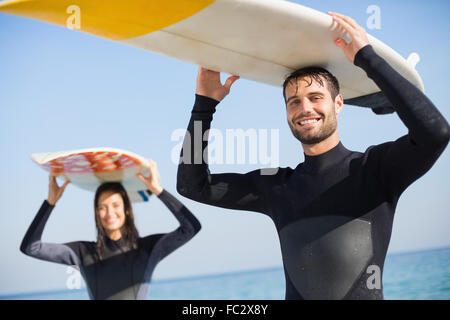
<point x="308" y="122"/>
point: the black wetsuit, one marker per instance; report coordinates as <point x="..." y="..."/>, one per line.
<point x="333" y="212"/>
<point x="123" y="273"/>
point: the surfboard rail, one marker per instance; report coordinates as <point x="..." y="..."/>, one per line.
<point x="88" y="168"/>
<point x="260" y="40"/>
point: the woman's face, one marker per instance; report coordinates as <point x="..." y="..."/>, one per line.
<point x="110" y="208"/>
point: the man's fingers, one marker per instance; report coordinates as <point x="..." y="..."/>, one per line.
<point x="347" y="19"/>
<point x="340" y="43"/>
<point x="202" y="70"/>
<point x="347" y="27"/>
<point x="230" y="81"/>
<point x="206" y="72"/>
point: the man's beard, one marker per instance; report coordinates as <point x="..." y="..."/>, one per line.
<point x="328" y="128"/>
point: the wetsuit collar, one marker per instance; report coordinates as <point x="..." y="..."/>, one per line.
<point x="325" y="160"/>
<point x="115" y="244"/>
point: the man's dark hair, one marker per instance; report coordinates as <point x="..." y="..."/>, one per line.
<point x="314" y="74"/>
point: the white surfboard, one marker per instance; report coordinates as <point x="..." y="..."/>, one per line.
<point x="261" y="40"/>
<point x="88" y="168"/>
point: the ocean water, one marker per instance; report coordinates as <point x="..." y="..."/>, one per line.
<point x="422" y="275"/>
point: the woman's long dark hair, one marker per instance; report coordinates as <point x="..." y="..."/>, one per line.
<point x="129" y="231"/>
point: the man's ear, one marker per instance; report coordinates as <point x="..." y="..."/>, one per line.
<point x="338" y="103"/>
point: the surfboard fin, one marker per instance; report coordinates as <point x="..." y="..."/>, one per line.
<point x="376" y="101"/>
<point x="413" y="59"/>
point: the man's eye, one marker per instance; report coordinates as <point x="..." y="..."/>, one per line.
<point x="316" y="98"/>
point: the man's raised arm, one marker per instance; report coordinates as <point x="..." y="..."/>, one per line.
<point x="408" y="158"/>
<point x="194" y="181"/>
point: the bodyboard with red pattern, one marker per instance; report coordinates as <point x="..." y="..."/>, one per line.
<point x="88" y="168"/>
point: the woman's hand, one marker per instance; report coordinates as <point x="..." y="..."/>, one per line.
<point x="54" y="191"/>
<point x="356" y="32"/>
<point x="153" y="181"/>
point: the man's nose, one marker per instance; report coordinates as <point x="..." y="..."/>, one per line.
<point x="305" y="106"/>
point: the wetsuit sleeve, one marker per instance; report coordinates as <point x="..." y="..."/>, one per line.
<point x="189" y="226"/>
<point x="194" y="180"/>
<point x="33" y="246"/>
<point x="411" y="156"/>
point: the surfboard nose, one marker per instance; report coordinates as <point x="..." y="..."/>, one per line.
<point x="115" y="20"/>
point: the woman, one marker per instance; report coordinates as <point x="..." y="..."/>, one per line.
<point x="120" y="264"/>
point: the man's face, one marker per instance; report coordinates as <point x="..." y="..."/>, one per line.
<point x="311" y="111"/>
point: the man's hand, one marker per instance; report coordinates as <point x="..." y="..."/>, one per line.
<point x="209" y="85"/>
<point x="356" y="32"/>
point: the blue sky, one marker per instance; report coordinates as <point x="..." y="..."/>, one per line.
<point x="63" y="90"/>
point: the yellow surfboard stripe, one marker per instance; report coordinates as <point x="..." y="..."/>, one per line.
<point x="112" y="19"/>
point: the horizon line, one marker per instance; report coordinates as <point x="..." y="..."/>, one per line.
<point x="11" y="296"/>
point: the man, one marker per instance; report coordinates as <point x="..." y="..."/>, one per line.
<point x="334" y="211"/>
